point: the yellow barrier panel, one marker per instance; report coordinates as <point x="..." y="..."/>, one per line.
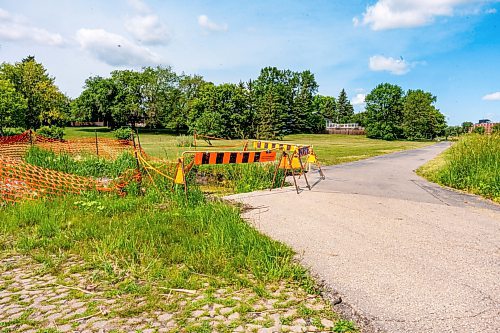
<point x="180" y="176"/>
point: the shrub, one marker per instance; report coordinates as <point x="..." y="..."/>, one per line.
<point x="478" y="130"/>
<point x="52" y="132"/>
<point x="12" y="131"/>
<point x="496" y="129"/>
<point x="124" y="133"/>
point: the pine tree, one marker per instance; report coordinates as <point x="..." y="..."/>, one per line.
<point x="344" y="108"/>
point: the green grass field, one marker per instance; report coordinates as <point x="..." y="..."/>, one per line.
<point x="331" y="149"/>
<point x="154" y="239"/>
<point x="472" y="164"/>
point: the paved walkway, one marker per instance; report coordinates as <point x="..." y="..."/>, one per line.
<point x="404" y="254"/>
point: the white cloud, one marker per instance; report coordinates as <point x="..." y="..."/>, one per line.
<point x="148" y="29"/>
<point x="17" y="28"/>
<point x="206" y="24"/>
<point x="491" y="11"/>
<point x="139" y="6"/>
<point x="392" y="14"/>
<point x="115" y="49"/>
<point x="379" y="63"/>
<point x="359" y="99"/>
<point x="145" y="26"/>
<point x="492" y="97"/>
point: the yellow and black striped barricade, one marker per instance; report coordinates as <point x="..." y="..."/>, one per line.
<point x="269" y="145"/>
<point x="303" y="150"/>
<point x="312" y="158"/>
<point x="232" y="157"/>
<point x="219" y="157"/>
<point x="290" y="162"/>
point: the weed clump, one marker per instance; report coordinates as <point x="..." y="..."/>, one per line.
<point x="472" y="164"/>
<point x="85" y="165"/>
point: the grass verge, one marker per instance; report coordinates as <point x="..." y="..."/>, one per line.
<point x="472" y="164"/>
<point x="159" y="240"/>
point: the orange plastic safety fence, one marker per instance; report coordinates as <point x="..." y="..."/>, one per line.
<point x="20" y="181"/>
<point x="16" y="146"/>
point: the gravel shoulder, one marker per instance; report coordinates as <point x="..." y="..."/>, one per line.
<point x="34" y="299"/>
<point x="405" y="255"/>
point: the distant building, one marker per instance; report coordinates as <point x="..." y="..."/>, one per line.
<point x="486" y="123"/>
<point x="351" y="128"/>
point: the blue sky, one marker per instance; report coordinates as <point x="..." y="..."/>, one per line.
<point x="448" y="47"/>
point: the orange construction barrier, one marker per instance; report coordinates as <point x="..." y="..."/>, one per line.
<point x="16" y="146"/>
<point x="21" y="181"/>
<point x="231" y="157"/>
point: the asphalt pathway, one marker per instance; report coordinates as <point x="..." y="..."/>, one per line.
<point x="403" y="254"/>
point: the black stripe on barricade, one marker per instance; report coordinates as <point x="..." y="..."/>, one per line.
<point x="206" y="158"/>
<point x="232" y="157"/>
<point x="245" y="158"/>
<point x="220" y="158"/>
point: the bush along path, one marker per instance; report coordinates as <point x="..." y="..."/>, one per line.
<point x="33" y="299"/>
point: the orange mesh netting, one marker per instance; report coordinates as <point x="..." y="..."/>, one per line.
<point x="20" y="181"/>
<point x="16" y="146"/>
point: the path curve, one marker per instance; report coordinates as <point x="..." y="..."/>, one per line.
<point x="404" y="254"/>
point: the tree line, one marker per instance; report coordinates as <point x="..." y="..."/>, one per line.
<point x="391" y="114"/>
<point x="277" y="103"/>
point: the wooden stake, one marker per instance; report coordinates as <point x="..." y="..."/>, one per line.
<point x="96" y="144"/>
<point x="293" y="175"/>
<point x="138" y="163"/>
<point x="303" y="172"/>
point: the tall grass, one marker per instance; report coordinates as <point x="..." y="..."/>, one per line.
<point x="153" y="238"/>
<point x="159" y="236"/>
<point x="472" y="164"/>
<point x="87" y="165"/>
<point x="240" y="178"/>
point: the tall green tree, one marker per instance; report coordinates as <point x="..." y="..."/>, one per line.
<point x="421" y="120"/>
<point x="222" y="111"/>
<point x="273" y="102"/>
<point x="304" y="88"/>
<point x="160" y="95"/>
<point x="326" y="106"/>
<point x="95" y="101"/>
<point x="466" y="126"/>
<point x="12" y="106"/>
<point x="189" y="90"/>
<point x="345" y="110"/>
<point x="128" y="107"/>
<point x="384" y="112"/>
<point x="46" y="104"/>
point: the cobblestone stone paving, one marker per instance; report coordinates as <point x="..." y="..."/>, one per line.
<point x="34" y="300"/>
